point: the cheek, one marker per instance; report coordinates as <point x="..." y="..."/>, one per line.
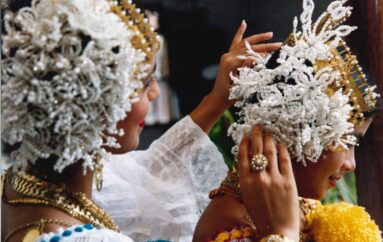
<point x="138" y="113"/>
<point x="313" y="180"/>
<point x="332" y="162"/>
<point x="140" y="109"/>
<point x="130" y="125"/>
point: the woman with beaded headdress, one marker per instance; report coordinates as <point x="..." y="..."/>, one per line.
<point x="76" y="87"/>
<point x="302" y="112"/>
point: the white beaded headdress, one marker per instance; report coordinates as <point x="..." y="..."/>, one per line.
<point x="69" y="74"/>
<point x="311" y="93"/>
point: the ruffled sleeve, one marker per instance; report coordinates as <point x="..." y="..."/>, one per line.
<point x="160" y="193"/>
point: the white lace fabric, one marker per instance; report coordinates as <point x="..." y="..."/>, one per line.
<point x="160" y="193"/>
<point x="93" y="235"/>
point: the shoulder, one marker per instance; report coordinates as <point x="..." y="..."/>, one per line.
<point x="85" y="232"/>
<point x="223" y="213"/>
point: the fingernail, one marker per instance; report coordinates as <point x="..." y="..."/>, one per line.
<point x="243" y="21"/>
<point x="270" y="33"/>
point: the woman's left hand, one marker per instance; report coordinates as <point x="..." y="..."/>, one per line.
<point x="230" y="63"/>
<point x="269" y="194"/>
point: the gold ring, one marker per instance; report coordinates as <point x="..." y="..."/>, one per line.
<point x="259" y="163"/>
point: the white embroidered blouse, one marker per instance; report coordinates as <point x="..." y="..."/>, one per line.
<point x="159" y="193"/>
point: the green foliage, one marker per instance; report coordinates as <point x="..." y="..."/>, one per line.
<point x="344" y="191"/>
<point x="219" y="136"/>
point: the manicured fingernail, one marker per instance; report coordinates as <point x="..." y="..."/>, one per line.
<point x="243" y="21"/>
<point x="270" y="33"/>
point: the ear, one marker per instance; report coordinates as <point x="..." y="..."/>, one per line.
<point x="153" y="91"/>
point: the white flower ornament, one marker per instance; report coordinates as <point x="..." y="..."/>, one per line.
<point x="69" y="75"/>
<point x="303" y="99"/>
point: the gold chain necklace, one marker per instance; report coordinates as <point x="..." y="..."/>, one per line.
<point x="75" y="204"/>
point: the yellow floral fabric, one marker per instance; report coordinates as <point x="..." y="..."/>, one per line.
<point x="238" y="234"/>
<point x="339" y="222"/>
<point x="342" y="222"/>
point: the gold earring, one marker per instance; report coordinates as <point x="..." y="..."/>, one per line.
<point x="98" y="172"/>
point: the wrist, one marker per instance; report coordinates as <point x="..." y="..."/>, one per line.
<point x="217" y="103"/>
<point x="290" y="233"/>
<point x="208" y="112"/>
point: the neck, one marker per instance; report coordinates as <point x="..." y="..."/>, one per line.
<point x="72" y="176"/>
<point x="77" y="182"/>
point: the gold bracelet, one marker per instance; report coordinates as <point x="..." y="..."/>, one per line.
<point x="276" y="238"/>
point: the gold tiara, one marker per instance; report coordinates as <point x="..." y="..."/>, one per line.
<point x="144" y="37"/>
<point x="363" y="97"/>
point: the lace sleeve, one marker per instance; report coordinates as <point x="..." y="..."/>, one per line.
<point x="186" y="153"/>
<point x="160" y="193"/>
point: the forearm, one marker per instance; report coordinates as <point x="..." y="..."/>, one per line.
<point x="206" y="114"/>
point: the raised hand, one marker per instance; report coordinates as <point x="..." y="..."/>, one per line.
<point x="230" y="62"/>
<point x="214" y="104"/>
<point x="270" y="194"/>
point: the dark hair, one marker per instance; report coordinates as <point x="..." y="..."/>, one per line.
<point x="13" y="5"/>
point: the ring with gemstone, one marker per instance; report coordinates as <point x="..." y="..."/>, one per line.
<point x="259" y="162"/>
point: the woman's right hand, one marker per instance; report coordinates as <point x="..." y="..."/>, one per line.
<point x="270" y="195"/>
<point x="230" y="62"/>
<point x="217" y="101"/>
